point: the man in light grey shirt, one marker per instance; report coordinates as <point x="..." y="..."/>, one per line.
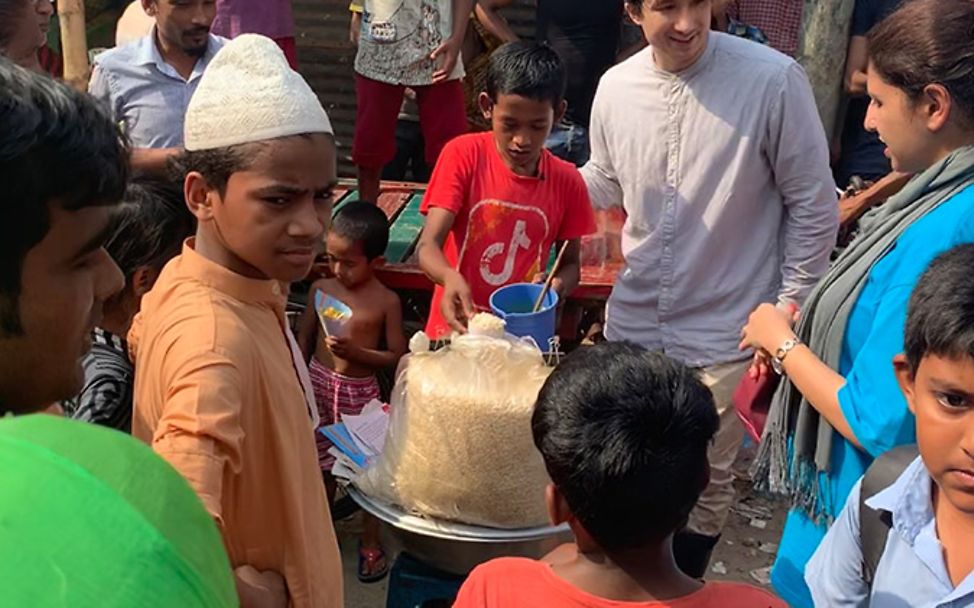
<point x="713" y="146"/>
<point x="147" y="84"/>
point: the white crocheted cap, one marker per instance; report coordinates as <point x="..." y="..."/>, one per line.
<point x="249" y="93"/>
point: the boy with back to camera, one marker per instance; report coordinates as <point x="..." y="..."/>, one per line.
<point x="927" y="513"/>
<point x="624" y="435"/>
<point x="499" y="201"/>
<point x="343" y="367"/>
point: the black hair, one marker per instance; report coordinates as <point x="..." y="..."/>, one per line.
<point x="363" y="222"/>
<point x="940" y="317"/>
<point x="928" y="42"/>
<point x="527" y="69"/>
<point x="215" y="165"/>
<point x="58" y="147"/>
<point x="624" y="435"/>
<point x="150" y="225"/>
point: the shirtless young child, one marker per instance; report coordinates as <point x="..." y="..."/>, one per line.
<point x="343" y="367"/>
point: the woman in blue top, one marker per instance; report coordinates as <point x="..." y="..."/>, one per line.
<point x="826" y="426"/>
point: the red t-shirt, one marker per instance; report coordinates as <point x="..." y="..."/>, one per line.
<point x="515" y="582"/>
<point x="505" y="223"/>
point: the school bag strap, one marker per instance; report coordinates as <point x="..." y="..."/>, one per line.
<point x="874" y="525"/>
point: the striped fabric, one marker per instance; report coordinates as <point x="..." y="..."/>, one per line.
<point x="337" y="394"/>
<point x="106" y="398"/>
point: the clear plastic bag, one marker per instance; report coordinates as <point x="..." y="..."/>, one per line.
<point x="459" y="445"/>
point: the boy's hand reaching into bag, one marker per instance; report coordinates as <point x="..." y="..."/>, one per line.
<point x="457" y="303"/>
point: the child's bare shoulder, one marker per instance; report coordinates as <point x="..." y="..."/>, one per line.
<point x="390" y="296"/>
<point x="386" y="296"/>
<point x="327" y="285"/>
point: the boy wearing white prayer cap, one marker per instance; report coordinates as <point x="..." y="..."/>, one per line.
<point x="221" y="390"/>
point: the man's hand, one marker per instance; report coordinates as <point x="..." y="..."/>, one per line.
<point x="257" y="589"/>
<point x="457" y="303"/>
<point x="445" y="57"/>
<point x="341" y="347"/>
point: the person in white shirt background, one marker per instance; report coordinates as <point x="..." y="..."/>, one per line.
<point x="713" y="146"/>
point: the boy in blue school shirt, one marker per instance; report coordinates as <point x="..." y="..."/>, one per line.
<point x="929" y="554"/>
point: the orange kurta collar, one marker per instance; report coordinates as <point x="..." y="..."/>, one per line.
<point x="220" y="278"/>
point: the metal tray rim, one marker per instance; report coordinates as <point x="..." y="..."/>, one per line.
<point x="446" y="530"/>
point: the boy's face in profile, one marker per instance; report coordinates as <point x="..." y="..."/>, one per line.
<point x="65" y="280"/>
<point x="348" y="261"/>
<point x="520" y="127"/>
<point x="941" y="395"/>
<point x="272" y="215"/>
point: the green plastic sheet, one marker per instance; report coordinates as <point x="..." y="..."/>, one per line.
<point x="90" y="517"/>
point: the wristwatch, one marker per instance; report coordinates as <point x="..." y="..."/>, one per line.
<point x="777" y="362"/>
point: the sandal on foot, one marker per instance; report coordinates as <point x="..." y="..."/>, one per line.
<point x="369" y="568"/>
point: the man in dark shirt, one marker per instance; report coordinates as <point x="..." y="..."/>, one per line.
<point x="862" y="152"/>
<point x="586" y="35"/>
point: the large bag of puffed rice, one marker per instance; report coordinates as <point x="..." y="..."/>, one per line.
<point x="459" y="445"/>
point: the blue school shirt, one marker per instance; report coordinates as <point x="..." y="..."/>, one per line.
<point x="911" y="571"/>
<point x="871" y="400"/>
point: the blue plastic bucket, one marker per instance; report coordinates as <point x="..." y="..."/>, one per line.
<point x="514" y="304"/>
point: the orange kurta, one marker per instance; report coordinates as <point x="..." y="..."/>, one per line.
<point x="217" y="394"/>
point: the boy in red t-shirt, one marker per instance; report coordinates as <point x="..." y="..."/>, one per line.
<point x="498" y="201"/>
<point x="624" y="435"/>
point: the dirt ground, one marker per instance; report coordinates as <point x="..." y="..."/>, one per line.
<point x="745" y="554"/>
<point x="750" y="540"/>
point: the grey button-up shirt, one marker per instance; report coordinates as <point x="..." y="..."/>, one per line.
<point x="723" y="172"/>
<point x="146" y="94"/>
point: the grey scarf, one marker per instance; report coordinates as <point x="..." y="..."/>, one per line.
<point x="797" y="442"/>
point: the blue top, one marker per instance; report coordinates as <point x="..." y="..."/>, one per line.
<point x="144" y="93"/>
<point x="871" y="400"/>
<point x="911" y="571"/>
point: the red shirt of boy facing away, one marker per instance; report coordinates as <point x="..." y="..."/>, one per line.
<point x="517" y="582"/>
<point x="505" y="223"/>
<point x="624" y="435"/>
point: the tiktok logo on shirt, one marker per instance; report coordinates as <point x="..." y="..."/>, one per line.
<point x="504" y="243"/>
<point x="519" y="240"/>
